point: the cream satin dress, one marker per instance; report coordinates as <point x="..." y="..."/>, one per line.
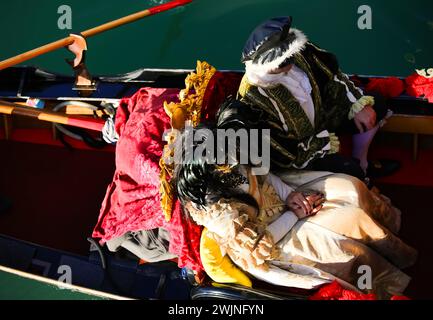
<point x="352" y="239"/>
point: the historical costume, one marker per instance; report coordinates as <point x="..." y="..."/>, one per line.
<point x="248" y="216"/>
<point x="306" y="106"/>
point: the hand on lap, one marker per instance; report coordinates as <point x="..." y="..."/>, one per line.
<point x="305" y="205"/>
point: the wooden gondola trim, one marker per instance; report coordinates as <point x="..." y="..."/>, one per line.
<point x="5" y="109"/>
<point x="50" y="116"/>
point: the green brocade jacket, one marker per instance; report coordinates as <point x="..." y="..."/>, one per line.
<point x="297" y="141"/>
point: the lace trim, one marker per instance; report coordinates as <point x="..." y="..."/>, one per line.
<point x="359" y="105"/>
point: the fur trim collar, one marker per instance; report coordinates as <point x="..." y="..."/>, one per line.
<point x="295" y="47"/>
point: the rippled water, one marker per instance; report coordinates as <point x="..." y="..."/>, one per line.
<point x="215" y="30"/>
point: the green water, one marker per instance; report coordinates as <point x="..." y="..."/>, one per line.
<point x="13" y="287"/>
<point x="215" y="31"/>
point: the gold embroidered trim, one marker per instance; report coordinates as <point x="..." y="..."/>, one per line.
<point x="191" y="98"/>
<point x="188" y="109"/>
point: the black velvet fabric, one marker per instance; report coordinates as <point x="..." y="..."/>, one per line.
<point x="269" y="40"/>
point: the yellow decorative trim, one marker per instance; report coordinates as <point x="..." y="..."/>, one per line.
<point x="244" y="86"/>
<point x="191" y="98"/>
<point x="224" y="168"/>
<point x="359" y="105"/>
<point x="188" y="109"/>
<point x="335" y="143"/>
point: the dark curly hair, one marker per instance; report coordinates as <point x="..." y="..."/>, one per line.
<point x="204" y="182"/>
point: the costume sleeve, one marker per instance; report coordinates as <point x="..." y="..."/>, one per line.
<point x="283" y="189"/>
<point x="315" y="147"/>
<point x="279" y="228"/>
<point x="282" y="277"/>
<point x="354" y="94"/>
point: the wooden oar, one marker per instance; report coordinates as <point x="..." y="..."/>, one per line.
<point x="50" y="116"/>
<point x="91" y="32"/>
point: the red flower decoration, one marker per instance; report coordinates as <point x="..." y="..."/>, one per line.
<point x="418" y="86"/>
<point x="388" y="87"/>
<point x="334" y="291"/>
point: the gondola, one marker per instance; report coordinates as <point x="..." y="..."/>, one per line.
<point x="58" y="150"/>
<point x="54" y="178"/>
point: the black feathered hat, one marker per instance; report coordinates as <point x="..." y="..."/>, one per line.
<point x="272" y="44"/>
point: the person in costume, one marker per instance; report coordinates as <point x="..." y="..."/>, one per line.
<point x="299" y="230"/>
<point x="298" y="90"/>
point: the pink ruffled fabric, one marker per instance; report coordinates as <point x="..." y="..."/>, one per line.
<point x="132" y="201"/>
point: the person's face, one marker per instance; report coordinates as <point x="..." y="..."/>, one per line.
<point x="282" y="70"/>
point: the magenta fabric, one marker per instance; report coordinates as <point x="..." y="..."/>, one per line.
<point x="132" y="201"/>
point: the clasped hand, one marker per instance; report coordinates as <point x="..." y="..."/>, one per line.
<point x="304" y="205"/>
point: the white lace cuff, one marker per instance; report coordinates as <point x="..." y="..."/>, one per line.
<point x="359" y="105"/>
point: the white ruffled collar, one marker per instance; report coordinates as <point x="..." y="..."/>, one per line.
<point x="295" y="80"/>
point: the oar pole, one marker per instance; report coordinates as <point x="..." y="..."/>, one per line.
<point x="10" y="108"/>
<point x="36" y="52"/>
<point x="90" y="33"/>
<point x="134" y="17"/>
